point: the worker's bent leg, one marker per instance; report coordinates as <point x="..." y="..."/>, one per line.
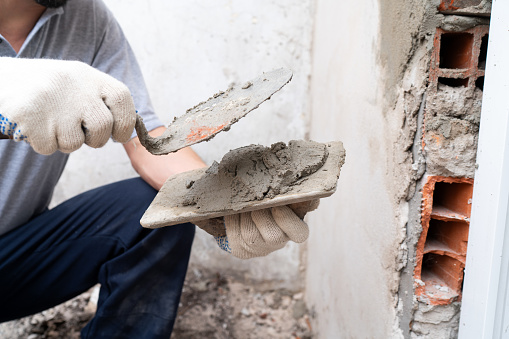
<point x="96" y="237"/>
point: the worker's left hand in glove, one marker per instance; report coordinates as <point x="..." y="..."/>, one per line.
<point x="258" y="233"/>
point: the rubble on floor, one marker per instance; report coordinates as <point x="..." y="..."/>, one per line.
<point x="212" y="306"/>
<point x="215" y="306"/>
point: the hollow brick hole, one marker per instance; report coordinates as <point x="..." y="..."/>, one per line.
<point x="453" y="82"/>
<point x="454" y="197"/>
<point x="447" y="236"/>
<point x="483" y="52"/>
<point x="479" y="83"/>
<point x="443" y="276"/>
<point x="456" y="50"/>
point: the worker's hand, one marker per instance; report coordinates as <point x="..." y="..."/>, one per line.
<point x="59" y="105"/>
<point x="258" y="233"/>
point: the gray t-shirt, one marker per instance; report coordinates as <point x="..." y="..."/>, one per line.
<point x="83" y="30"/>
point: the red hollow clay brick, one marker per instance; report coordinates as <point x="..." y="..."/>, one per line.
<point x="442" y="246"/>
<point x="458" y="58"/>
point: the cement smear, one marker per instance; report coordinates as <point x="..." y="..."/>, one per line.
<point x="451" y="130"/>
<point x="461" y="23"/>
<point x="254" y="173"/>
<point x="480" y="8"/>
<point x="431" y="322"/>
<point x="404" y="56"/>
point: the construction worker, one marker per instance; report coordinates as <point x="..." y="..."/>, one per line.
<point x="69" y="77"/>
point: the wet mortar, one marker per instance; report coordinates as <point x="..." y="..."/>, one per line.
<point x="254" y="173"/>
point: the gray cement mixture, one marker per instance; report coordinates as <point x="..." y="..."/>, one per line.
<point x="254" y="173"/>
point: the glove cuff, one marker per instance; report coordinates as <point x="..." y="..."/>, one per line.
<point x="223" y="243"/>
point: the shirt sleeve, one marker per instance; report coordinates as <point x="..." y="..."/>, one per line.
<point x="115" y="57"/>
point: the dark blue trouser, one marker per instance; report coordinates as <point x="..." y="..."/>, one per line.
<point x="94" y="238"/>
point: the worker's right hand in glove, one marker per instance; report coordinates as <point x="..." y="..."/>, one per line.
<point x="59" y="105"/>
<point x="258" y="233"/>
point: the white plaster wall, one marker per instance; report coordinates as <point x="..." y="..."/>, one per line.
<point x="189" y="50"/>
<point x="351" y="250"/>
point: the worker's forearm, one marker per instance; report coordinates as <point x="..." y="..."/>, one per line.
<point x="156" y="169"/>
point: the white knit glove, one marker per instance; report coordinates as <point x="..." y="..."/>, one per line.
<point x="258" y="233"/>
<point x="59" y="105"/>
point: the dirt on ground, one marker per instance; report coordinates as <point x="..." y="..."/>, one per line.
<point x="212" y="306"/>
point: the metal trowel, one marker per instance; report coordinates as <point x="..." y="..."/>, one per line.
<point x="218" y="113"/>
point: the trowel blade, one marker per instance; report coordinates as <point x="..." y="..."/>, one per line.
<point x="217" y="114"/>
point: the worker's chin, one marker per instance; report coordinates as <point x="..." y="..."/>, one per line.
<point x="51" y="3"/>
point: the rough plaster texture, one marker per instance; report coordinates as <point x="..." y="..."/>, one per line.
<point x="472" y="7"/>
<point x="433" y="322"/>
<point x="399" y="27"/>
<point x="412" y="79"/>
<point x="190" y="50"/>
<point x="451" y="130"/>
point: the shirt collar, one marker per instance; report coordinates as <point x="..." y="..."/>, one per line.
<point x="48" y="14"/>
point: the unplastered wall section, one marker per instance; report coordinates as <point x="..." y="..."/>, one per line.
<point x="188" y="51"/>
<point x="437" y="234"/>
<point x="367" y="85"/>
